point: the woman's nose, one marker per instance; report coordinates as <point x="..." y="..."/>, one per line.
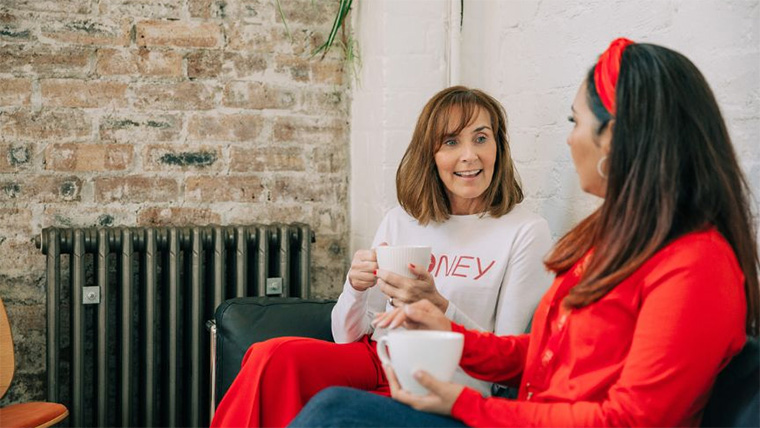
<point x="469" y="153"/>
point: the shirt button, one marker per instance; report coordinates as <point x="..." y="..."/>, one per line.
<point x="530" y="395"/>
<point x="562" y="321"/>
<point x="548" y="355"/>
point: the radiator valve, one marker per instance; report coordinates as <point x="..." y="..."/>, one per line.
<point x="91" y="295"/>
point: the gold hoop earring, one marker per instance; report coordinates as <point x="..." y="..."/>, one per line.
<point x="599" y="167"/>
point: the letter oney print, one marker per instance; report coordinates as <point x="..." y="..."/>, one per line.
<point x="459" y="266"/>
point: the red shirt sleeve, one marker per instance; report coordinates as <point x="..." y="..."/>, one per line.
<point x="498" y="359"/>
<point x="690" y="324"/>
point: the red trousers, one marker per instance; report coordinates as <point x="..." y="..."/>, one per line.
<point x="279" y="376"/>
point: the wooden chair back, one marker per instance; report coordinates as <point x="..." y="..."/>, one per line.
<point x="7" y="360"/>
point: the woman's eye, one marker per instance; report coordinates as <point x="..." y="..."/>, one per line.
<point x="450" y="142"/>
<point x="571" y="119"/>
<point x="481" y="139"/>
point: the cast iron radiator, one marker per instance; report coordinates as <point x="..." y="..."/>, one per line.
<point x="126" y="310"/>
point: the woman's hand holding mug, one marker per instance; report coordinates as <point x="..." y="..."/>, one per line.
<point x="441" y="352"/>
<point x="361" y="276"/>
<point x="440" y="398"/>
<point x="403" y="290"/>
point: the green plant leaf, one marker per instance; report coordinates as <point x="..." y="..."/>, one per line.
<point x="284" y="21"/>
<point x="343" y="9"/>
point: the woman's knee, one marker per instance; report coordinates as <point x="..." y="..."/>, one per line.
<point x="326" y="406"/>
<point x="282" y="349"/>
<point x="331" y="398"/>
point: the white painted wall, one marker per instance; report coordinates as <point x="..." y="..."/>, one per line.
<point x="532" y="55"/>
<point x="403" y="51"/>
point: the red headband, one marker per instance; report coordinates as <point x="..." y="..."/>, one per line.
<point x="607" y="70"/>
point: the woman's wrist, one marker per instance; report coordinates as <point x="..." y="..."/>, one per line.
<point x="442" y="303"/>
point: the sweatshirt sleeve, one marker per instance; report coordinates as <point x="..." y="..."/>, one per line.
<point x="690" y="325"/>
<point x="454" y="314"/>
<point x="353" y="312"/>
<point x="525" y="280"/>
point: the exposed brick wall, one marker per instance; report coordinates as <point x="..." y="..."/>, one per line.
<point x="138" y="112"/>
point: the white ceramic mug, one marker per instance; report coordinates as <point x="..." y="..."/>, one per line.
<point x="436" y="352"/>
<point x="396" y="259"/>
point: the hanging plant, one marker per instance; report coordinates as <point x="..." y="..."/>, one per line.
<point x="347" y="42"/>
<point x="343" y="9"/>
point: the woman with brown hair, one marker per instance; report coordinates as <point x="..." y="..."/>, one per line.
<point x="655" y="291"/>
<point x="459" y="193"/>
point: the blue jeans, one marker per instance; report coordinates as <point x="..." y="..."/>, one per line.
<point x="348" y="407"/>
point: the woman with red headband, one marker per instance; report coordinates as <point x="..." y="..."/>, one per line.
<point x="655" y="291"/>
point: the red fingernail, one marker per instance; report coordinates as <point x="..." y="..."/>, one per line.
<point x="375" y="272"/>
<point x="412" y="265"/>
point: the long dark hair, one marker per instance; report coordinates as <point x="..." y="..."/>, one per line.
<point x="672" y="170"/>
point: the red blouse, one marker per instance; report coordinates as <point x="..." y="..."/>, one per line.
<point x="646" y="354"/>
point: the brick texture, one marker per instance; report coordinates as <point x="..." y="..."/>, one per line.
<point x="161" y="216"/>
<point x="182" y="158"/>
<point x="135" y="189"/>
<point x="86" y="31"/>
<point x="174" y="96"/>
<point x="169" y="9"/>
<point x="258" y="96"/>
<point x="14" y="221"/>
<point x="163" y="112"/>
<point x="142" y="61"/>
<point x="82" y="93"/>
<point x="267" y="159"/>
<point x="88" y="157"/>
<point x="45" y="124"/>
<point x="239" y="65"/>
<point x="15" y="157"/>
<point x="15" y="92"/>
<point x="38" y="59"/>
<point x="178" y="34"/>
<point x="204" y="64"/>
<point x="235" y="127"/>
<point x="40" y="188"/>
<point x="135" y="128"/>
<point x="225" y="189"/>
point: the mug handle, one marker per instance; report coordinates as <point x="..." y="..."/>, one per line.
<point x="382" y="350"/>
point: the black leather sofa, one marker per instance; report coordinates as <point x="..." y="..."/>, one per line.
<point x="243" y="321"/>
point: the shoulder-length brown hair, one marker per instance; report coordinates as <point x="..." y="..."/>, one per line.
<point x="420" y="190"/>
<point x="672" y="170"/>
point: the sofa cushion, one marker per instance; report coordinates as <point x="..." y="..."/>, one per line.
<point x="241" y="322"/>
<point x="735" y="400"/>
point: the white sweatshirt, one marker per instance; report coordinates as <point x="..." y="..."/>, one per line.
<point x="489" y="269"/>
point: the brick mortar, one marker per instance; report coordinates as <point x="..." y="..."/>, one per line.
<point x="49" y="51"/>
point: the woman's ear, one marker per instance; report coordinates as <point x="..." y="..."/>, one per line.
<point x="605" y="139"/>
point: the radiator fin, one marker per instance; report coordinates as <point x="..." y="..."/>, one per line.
<point x="140" y="356"/>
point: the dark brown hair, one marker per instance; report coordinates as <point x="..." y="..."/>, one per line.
<point x="420" y="190"/>
<point x="672" y="170"/>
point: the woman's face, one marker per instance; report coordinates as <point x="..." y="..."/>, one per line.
<point x="465" y="162"/>
<point x="587" y="146"/>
